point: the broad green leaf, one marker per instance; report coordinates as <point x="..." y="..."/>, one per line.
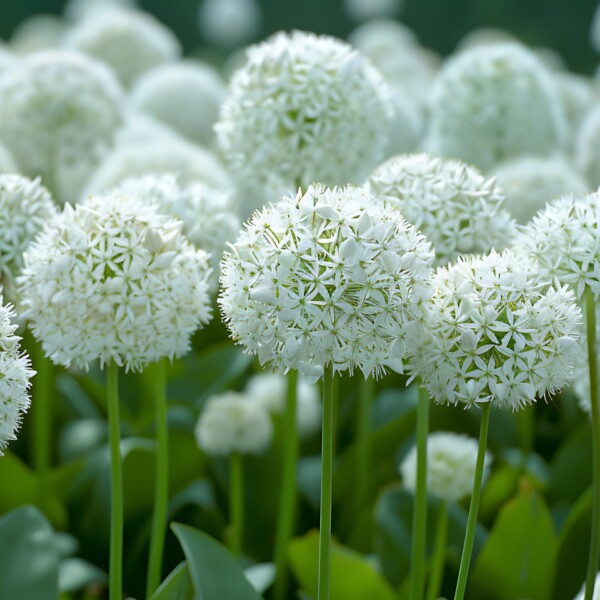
<point x="215" y="572"/>
<point x="177" y="586"/>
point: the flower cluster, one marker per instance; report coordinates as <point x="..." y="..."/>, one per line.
<point x="328" y="278"/>
<point x="492" y="333"/>
<point x="451" y="460"/>
<point x="114" y="280"/>
<point x="456" y="208"/>
<point x="587" y="147"/>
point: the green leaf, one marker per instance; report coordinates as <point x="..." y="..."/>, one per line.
<point x="177" y="586"/>
<point x="520" y="552"/>
<point x="215" y="572"/>
<point x="352" y="577"/>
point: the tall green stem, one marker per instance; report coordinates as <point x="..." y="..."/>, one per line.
<point x="465" y="560"/>
<point x="439" y="553"/>
<point x="161" y="482"/>
<point x="326" y="486"/>
<point x="363" y="431"/>
<point x="41" y="408"/>
<point x="287" y="500"/>
<point x="236" y="502"/>
<point x="594" y="556"/>
<point x="417" y="577"/>
<point x="116" y="487"/>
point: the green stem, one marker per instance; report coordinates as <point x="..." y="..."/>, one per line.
<point x="326" y="486"/>
<point x="41" y="409"/>
<point x="594" y="556"/>
<point x="161" y="485"/>
<point x="363" y="431"/>
<point x="465" y="559"/>
<point x="116" y="487"/>
<point x="287" y="500"/>
<point x="439" y="553"/>
<point x="236" y="500"/>
<point x="419" y="528"/>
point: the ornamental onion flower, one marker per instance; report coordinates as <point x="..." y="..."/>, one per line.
<point x="325" y="279"/>
<point x="587" y="147"/>
<point x="229" y="23"/>
<point x="458" y="209"/>
<point x="77" y="10"/>
<point x="578" y="98"/>
<point x="15" y="373"/>
<point x="114" y="280"/>
<point x="451" y="459"/>
<point x="363" y="10"/>
<point x="37" y="33"/>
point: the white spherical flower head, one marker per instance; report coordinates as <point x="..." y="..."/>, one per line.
<point x="493" y="103"/>
<point x="459" y="210"/>
<point x="128" y="41"/>
<point x="451" y="460"/>
<point x="531" y="182"/>
<point x="304" y="108"/>
<point x="232" y="422"/>
<point x="328" y="278"/>
<point x="25" y="206"/>
<point x="492" y="334"/>
<point x="77" y="10"/>
<point x="37" y="33"/>
<point x="58" y="115"/>
<point x="363" y="10"/>
<point x="229" y="23"/>
<point x="578" y="98"/>
<point x="587" y="147"/>
<point x="15" y="373"/>
<point x="271" y="389"/>
<point x="185" y="96"/>
<point x="208" y="216"/>
<point x="114" y="280"/>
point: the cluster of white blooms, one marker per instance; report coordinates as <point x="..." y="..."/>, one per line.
<point x="328" y="278"/>
<point x="58" y="115"/>
<point x="363" y="10"/>
<point x="578" y="98"/>
<point x="186" y="96"/>
<point x="129" y="42"/>
<point x="451" y="460"/>
<point x="270" y="390"/>
<point x="530" y="182"/>
<point x="229" y="23"/>
<point x="37" y="33"/>
<point x="451" y="203"/>
<point x="304" y="108"/>
<point x="407" y="126"/>
<point x="208" y="217"/>
<point x="564" y="239"/>
<point x="15" y="373"/>
<point x="587" y="147"/>
<point x="596" y="595"/>
<point x="232" y="422"/>
<point x="491" y="333"/>
<point x="493" y="103"/>
<point x="112" y="279"/>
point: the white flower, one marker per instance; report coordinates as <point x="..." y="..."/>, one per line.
<point x="114" y="280"/>
<point x="581" y="376"/>
<point x="15" y="373"/>
<point x="491" y="334"/>
<point x="304" y="108"/>
<point x="77" y="10"/>
<point x="185" y="96"/>
<point x="530" y="182"/>
<point x="7" y="162"/>
<point x="270" y="390"/>
<point x="229" y="23"/>
<point x="58" y="115"/>
<point x="596" y="595"/>
<point x="407" y="126"/>
<point x="451" y="460"/>
<point x="128" y="41"/>
<point x="36" y="33"/>
<point x="578" y="98"/>
<point x="326" y="278"/>
<point x="363" y="10"/>
<point x="208" y="217"/>
<point x="493" y="103"/>
<point x="587" y="147"/>
<point x="456" y="208"/>
<point x="232" y="422"/>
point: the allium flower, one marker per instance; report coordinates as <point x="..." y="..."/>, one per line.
<point x="304" y="108"/>
<point x="531" y="182"/>
<point x="25" y="206"/>
<point x="15" y="373"/>
<point x="229" y="23"/>
<point x="407" y="126"/>
<point x="325" y="279"/>
<point x="459" y="210"/>
<point x="493" y="103"/>
<point x="485" y="36"/>
<point x="58" y="115"/>
<point x="208" y="216"/>
<point x="130" y="42"/>
<point x="112" y="279"/>
<point x="363" y="10"/>
<point x="451" y="460"/>
<point x="581" y="376"/>
<point x="270" y="390"/>
<point x="77" y="10"/>
<point x="587" y="148"/>
<point x="232" y="422"/>
<point x="378" y="37"/>
<point x="578" y="98"/>
<point x="491" y="334"/>
<point x="185" y="96"/>
<point x="37" y="33"/>
<point x="7" y="162"/>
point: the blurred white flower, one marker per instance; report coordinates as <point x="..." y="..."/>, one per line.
<point x="363" y="10"/>
<point x="77" y="10"/>
<point x="114" y="280"/>
<point x="451" y="461"/>
<point x="407" y="126"/>
<point x="229" y="23"/>
<point x="328" y="278"/>
<point x="578" y="98"/>
<point x="232" y="422"/>
<point x="451" y="203"/>
<point x="37" y="33"/>
<point x="581" y="376"/>
<point x="587" y="147"/>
